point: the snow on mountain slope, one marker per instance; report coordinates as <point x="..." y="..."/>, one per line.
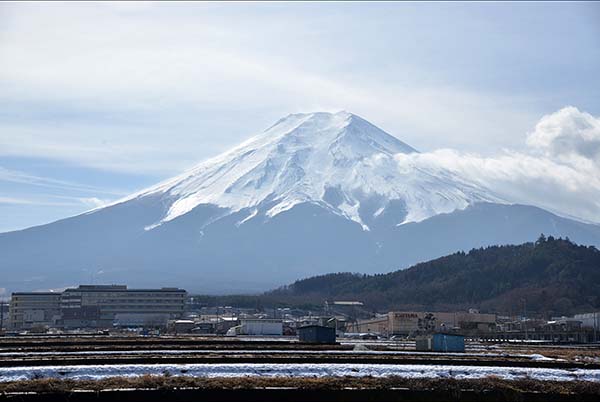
<point x="356" y="200"/>
<point x="338" y="161"/>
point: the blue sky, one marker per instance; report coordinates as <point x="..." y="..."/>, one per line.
<point x="98" y="100"/>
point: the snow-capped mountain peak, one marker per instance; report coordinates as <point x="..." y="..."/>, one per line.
<point x="336" y="160"/>
<point x="314" y="193"/>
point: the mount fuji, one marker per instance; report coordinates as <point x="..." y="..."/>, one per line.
<point x="314" y="193"/>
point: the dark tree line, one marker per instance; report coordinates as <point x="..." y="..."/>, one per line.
<point x="553" y="276"/>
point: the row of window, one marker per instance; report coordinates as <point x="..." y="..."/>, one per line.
<point x="123" y="294"/>
<point x="134" y="307"/>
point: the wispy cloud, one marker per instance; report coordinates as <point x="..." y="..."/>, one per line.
<point x="169" y="75"/>
<point x="15" y="176"/>
<point x="34" y="201"/>
<point x="80" y="204"/>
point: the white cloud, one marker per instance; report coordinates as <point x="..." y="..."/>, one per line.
<point x="568" y="134"/>
<point x="94" y="202"/>
<point x="564" y="178"/>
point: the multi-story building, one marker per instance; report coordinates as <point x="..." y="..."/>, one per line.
<point x="108" y="305"/>
<point x="28" y="310"/>
<point x="96" y="306"/>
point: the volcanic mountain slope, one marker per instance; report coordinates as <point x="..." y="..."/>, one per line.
<point x="338" y="161"/>
<point x="314" y="193"/>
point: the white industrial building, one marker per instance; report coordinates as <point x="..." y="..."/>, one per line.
<point x="257" y="326"/>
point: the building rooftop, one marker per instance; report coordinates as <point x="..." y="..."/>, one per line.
<point x="347" y="303"/>
<point x="119" y="288"/>
<point x="36" y="293"/>
<point x="102" y="287"/>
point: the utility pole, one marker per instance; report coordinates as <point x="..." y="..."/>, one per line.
<point x="2" y="303"/>
<point x="525" y="317"/>
<point x="595" y="326"/>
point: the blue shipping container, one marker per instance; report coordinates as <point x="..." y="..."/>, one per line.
<point x="448" y="343"/>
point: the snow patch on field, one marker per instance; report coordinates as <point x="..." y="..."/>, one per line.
<point x="93" y="372"/>
<point x="359" y="349"/>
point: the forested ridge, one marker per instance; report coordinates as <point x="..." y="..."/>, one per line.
<point x="553" y="276"/>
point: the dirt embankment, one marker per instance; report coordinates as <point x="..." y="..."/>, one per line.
<point x="311" y="389"/>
